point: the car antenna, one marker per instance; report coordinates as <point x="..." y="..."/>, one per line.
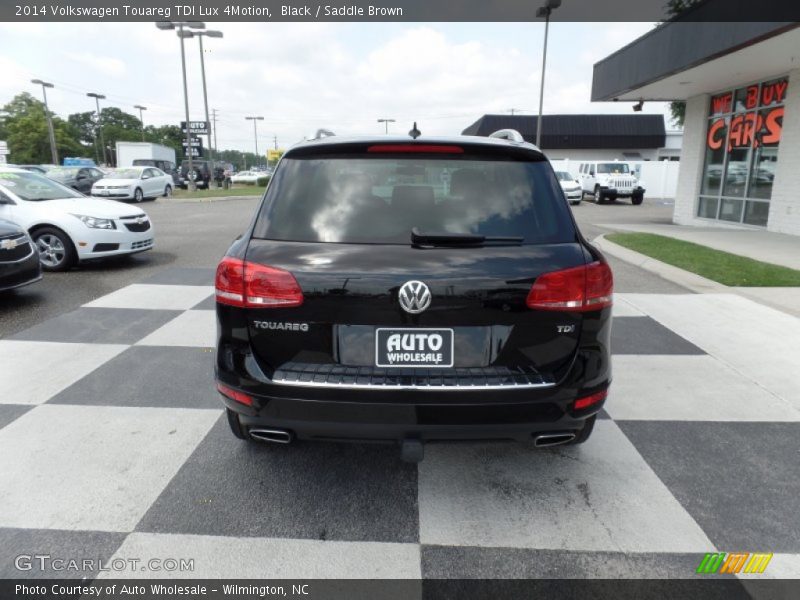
<point x="415" y="133"/>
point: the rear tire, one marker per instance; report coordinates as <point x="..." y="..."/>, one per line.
<point x="584" y="433"/>
<point x="236" y="425"/>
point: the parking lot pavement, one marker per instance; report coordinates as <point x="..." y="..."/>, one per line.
<point x="113" y="444"/>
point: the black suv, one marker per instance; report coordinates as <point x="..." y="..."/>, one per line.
<point x="407" y="290"/>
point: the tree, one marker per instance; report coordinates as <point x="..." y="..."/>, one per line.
<point x="27" y="134"/>
<point x="677" y="108"/>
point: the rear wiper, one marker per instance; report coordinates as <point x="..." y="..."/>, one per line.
<point x="461" y="239"/>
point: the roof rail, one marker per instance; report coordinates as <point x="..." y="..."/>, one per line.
<point x="511" y="135"/>
<point x="323" y="133"/>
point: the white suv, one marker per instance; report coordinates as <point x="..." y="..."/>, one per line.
<point x="609" y="180"/>
<point x="65" y="225"/>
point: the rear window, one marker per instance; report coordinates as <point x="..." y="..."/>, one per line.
<point x="358" y="199"/>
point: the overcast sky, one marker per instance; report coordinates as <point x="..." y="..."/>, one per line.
<point x="301" y="77"/>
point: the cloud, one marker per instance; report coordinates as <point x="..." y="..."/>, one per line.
<point x="104" y="65"/>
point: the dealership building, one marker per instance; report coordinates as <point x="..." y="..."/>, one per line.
<point x="740" y="156"/>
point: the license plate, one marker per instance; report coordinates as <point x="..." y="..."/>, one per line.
<point x="104" y="192"/>
<point x="413" y="347"/>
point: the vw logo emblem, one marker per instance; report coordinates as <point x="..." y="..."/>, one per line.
<point x="414" y="297"/>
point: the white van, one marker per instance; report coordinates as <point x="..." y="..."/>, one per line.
<point x="609" y="180"/>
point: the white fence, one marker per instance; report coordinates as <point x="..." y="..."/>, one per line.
<point x="660" y="178"/>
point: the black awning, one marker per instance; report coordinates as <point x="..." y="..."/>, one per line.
<point x="577" y="132"/>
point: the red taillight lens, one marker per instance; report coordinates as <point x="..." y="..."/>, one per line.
<point x="589" y="287"/>
<point x="421" y="148"/>
<point x="229" y="282"/>
<point x="251" y="285"/>
<point x="234" y="394"/>
<point x="587" y="401"/>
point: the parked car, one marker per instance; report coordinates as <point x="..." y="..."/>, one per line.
<point x="202" y="173"/>
<point x="609" y="180"/>
<point x="134" y="183"/>
<point x="78" y="178"/>
<point x="19" y="260"/>
<point x="41" y="169"/>
<point x="68" y="227"/>
<point x="571" y="186"/>
<point x="165" y="165"/>
<point x="247" y="177"/>
<point x="406" y="290"/>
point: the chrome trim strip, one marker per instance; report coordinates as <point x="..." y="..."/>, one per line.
<point x="438" y="388"/>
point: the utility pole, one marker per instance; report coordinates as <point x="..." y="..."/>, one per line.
<point x="544" y="11"/>
<point x="255" y="131"/>
<point x="275" y="141"/>
<point x="97" y="98"/>
<point x="214" y="127"/>
<point x="180" y="25"/>
<point x="386" y="123"/>
<point x="141" y="116"/>
<point x="200" y="35"/>
<point x="53" y="149"/>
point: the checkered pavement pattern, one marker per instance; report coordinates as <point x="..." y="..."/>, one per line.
<point x="113" y="444"/>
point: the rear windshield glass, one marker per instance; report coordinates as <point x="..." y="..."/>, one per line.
<point x="356" y="199"/>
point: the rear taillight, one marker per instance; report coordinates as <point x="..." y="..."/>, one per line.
<point x="578" y="289"/>
<point x="587" y="401"/>
<point x="251" y="285"/>
<point x="236" y="395"/>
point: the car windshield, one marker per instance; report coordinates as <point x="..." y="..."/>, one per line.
<point x="62" y="174"/>
<point x="381" y="199"/>
<point x="564" y="176"/>
<point x="613" y="168"/>
<point x="125" y="173"/>
<point x="34" y="187"/>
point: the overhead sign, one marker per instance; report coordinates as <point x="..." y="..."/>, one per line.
<point x="196" y="149"/>
<point x="195" y="142"/>
<point x="196" y="127"/>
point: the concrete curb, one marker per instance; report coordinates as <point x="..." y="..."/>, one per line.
<point x="691" y="281"/>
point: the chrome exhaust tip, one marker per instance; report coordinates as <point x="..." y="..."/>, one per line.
<point x="276" y="436"/>
<point x="552" y="439"/>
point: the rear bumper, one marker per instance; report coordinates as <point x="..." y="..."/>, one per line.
<point x="390" y="422"/>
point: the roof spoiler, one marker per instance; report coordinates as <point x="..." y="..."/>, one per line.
<point x="512" y="135"/>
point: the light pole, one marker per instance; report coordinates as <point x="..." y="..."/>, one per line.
<point x="141" y="116"/>
<point x="180" y="26"/>
<point x="200" y="35"/>
<point x="544" y="11"/>
<point x="386" y="122"/>
<point x="97" y="98"/>
<point x="255" y="131"/>
<point x="53" y="149"/>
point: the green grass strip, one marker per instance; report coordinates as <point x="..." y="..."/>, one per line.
<point x="722" y="267"/>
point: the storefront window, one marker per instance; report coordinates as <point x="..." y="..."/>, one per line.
<point x="742" y="139"/>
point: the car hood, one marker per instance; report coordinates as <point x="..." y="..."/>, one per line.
<point x="113" y="181"/>
<point x="92" y="207"/>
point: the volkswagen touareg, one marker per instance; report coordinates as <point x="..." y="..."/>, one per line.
<point x="409" y="290"/>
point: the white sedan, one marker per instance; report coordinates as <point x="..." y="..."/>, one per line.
<point x="571" y="186"/>
<point x="134" y="183"/>
<point x="68" y="227"/>
<point x="246" y="177"/>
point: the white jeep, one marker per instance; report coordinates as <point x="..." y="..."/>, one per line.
<point x="609" y="180"/>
